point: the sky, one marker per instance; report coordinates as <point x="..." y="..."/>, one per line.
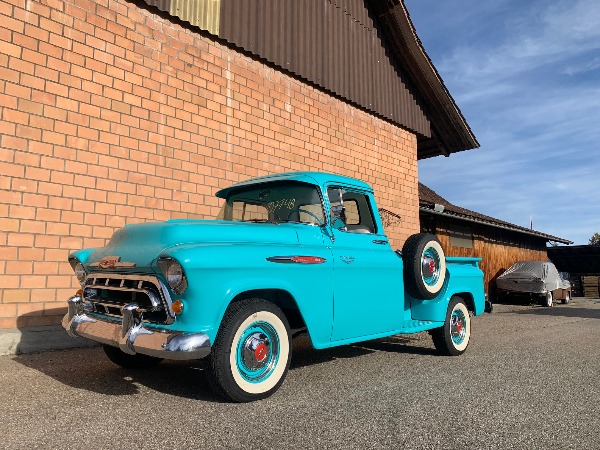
<point x="526" y="76"/>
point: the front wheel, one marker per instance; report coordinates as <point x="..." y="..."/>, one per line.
<point x="453" y="338"/>
<point x="252" y="351"/>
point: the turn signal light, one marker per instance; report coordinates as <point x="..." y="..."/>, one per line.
<point x="79" y="293"/>
<point x="177" y="307"/>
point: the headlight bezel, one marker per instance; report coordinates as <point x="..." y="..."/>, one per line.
<point x="79" y="269"/>
<point x="174" y="274"/>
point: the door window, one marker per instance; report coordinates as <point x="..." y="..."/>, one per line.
<point x="350" y="211"/>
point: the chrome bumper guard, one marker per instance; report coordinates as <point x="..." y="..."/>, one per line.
<point x="131" y="336"/>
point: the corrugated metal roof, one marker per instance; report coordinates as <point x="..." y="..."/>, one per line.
<point x="335" y="44"/>
<point x="204" y="14"/>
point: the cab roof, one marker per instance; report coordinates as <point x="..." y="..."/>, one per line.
<point x="321" y="179"/>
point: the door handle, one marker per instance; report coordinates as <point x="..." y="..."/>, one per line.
<point x="380" y="241"/>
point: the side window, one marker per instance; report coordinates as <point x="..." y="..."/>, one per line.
<point x="353" y="209"/>
<point x="461" y="237"/>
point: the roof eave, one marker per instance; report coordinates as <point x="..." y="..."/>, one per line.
<point x="450" y="130"/>
<point x="547" y="237"/>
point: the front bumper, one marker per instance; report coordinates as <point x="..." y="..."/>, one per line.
<point x="132" y="337"/>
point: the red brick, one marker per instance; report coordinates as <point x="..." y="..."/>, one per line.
<point x="22" y="212"/>
<point x="43" y="295"/>
<point x="9" y="224"/>
<point x="9" y="323"/>
<point x="31" y="81"/>
<point x="57" y="228"/>
<point x="32" y="226"/>
<point x="14" y="116"/>
<point x="31" y="254"/>
<point x="25" y="41"/>
<point x="10" y="49"/>
<point x="9" y="281"/>
<point x="9" y="310"/>
<point x="31" y="309"/>
<point x="19" y="267"/>
<point x="30" y="107"/>
<point x="35" y="200"/>
<point x="34" y="173"/>
<point x="20" y="240"/>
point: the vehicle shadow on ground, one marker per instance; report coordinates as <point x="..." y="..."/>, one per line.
<point x="90" y="370"/>
<point x="397" y="344"/>
<point x="304" y="355"/>
<point x="564" y="311"/>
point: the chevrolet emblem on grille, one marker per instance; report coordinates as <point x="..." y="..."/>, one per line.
<point x="112" y="262"/>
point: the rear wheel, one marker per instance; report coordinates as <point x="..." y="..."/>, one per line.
<point x="252" y="351"/>
<point x="137" y="361"/>
<point x="453" y="338"/>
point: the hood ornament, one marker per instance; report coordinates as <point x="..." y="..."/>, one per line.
<point x="112" y="262"/>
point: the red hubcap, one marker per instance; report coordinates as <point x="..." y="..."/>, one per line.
<point x="260" y="352"/>
<point x="432" y="266"/>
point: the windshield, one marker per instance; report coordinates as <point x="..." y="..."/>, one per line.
<point x="284" y="201"/>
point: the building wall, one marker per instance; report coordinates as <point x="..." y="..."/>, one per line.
<point x="498" y="249"/>
<point x="110" y="114"/>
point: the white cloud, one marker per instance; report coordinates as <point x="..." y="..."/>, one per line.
<point x="531" y="95"/>
<point x="563" y="31"/>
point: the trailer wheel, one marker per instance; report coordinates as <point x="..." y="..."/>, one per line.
<point x="548" y="299"/>
<point x="424" y="266"/>
<point x="567" y="298"/>
<point x="252" y="351"/>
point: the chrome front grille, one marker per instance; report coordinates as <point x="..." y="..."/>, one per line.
<point x="108" y="293"/>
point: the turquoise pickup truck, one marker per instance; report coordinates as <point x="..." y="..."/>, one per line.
<point x="289" y="254"/>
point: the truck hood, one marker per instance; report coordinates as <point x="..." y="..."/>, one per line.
<point x="142" y="243"/>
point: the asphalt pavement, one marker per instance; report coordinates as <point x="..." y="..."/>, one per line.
<point x="529" y="379"/>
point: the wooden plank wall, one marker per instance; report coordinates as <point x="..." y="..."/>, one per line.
<point x="497" y="248"/>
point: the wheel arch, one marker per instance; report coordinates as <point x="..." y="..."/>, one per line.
<point x="467" y="297"/>
<point x="283" y="299"/>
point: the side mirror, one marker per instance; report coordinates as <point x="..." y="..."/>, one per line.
<point x="338" y="224"/>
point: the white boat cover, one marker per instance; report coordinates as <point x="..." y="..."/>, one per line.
<point x="537" y="277"/>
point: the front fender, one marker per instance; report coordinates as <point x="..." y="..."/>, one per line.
<point x="217" y="274"/>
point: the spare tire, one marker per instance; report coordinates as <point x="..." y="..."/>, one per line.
<point x="424" y="266"/>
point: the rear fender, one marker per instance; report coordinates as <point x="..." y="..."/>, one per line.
<point x="463" y="279"/>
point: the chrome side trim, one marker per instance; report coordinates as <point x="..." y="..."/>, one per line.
<point x="132" y="337"/>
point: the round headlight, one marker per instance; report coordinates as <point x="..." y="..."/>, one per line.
<point x="174" y="275"/>
<point x="79" y="272"/>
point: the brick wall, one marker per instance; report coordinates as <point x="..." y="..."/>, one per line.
<point x="110" y="114"/>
